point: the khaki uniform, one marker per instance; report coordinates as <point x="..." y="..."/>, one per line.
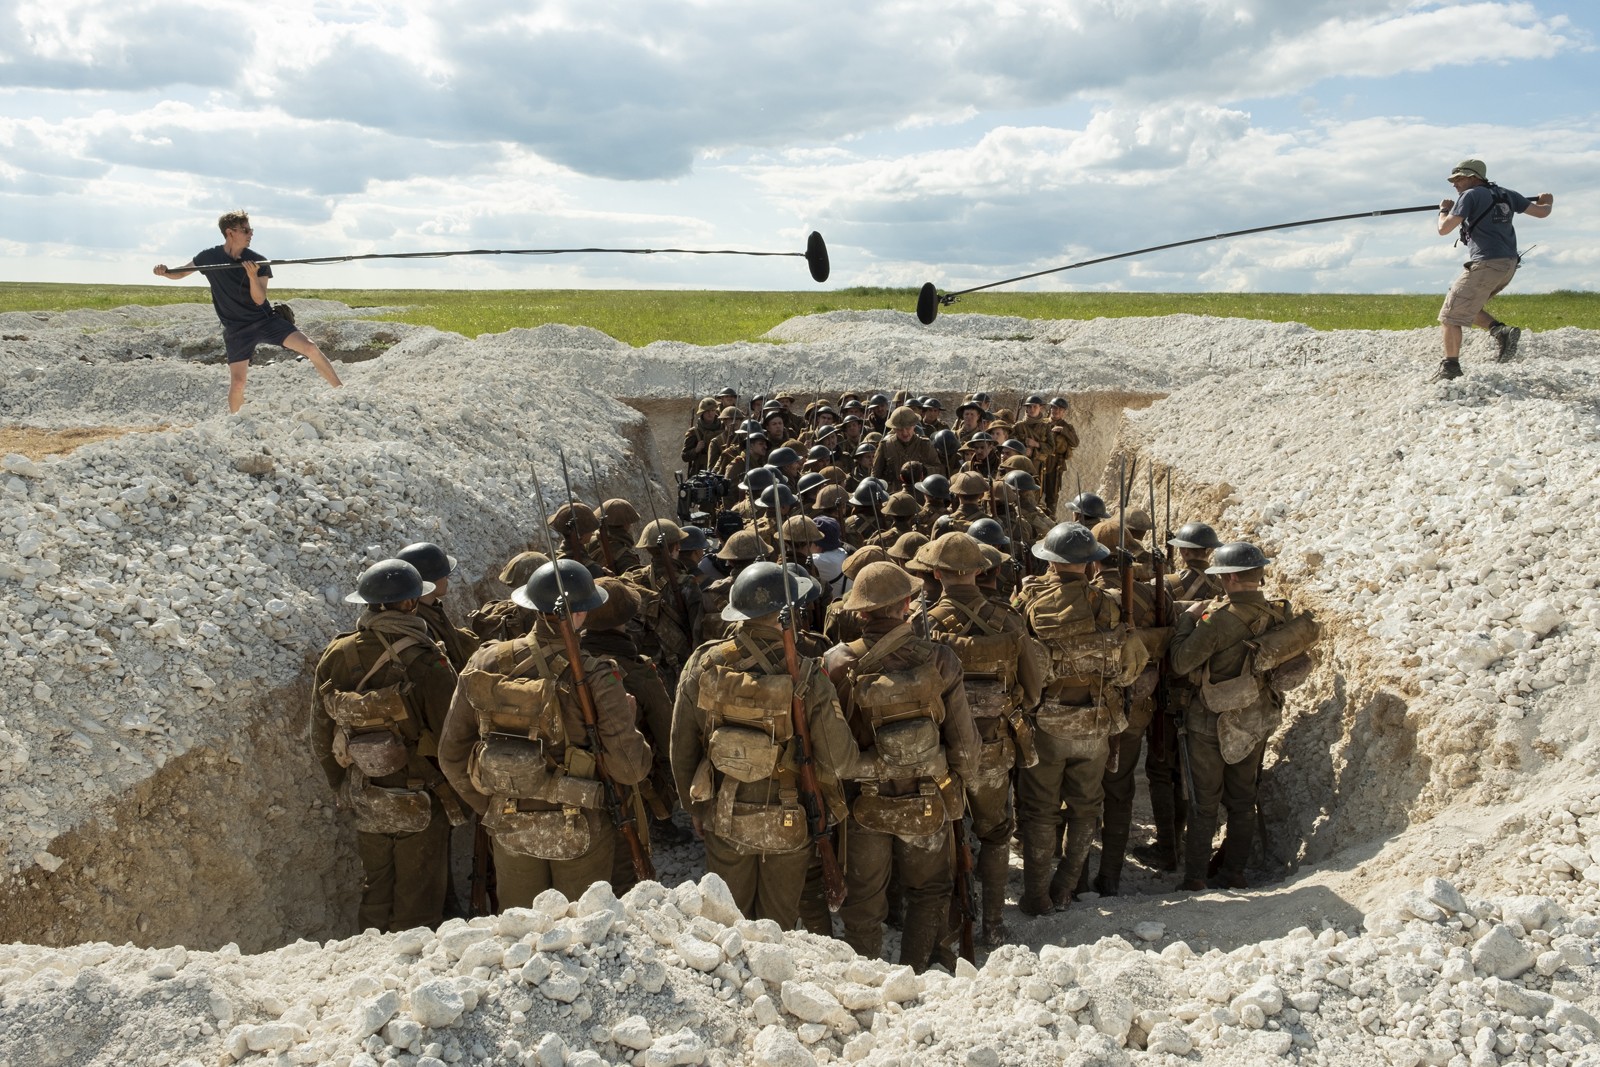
<point x="1168" y="803"/>
<point x="735" y="696"/>
<point x="1088" y="654"/>
<point x="968" y="512"/>
<point x="712" y="600"/>
<point x="1063" y="438"/>
<point x="1226" y="749"/>
<point x="458" y="644"/>
<point x="402" y="833"/>
<point x="541" y="800"/>
<point x="902" y="818"/>
<point x="1191" y="585"/>
<point x="1003" y="679"/>
<point x="1033" y="432"/>
<point x="1118" y="781"/>
<point x="623" y="558"/>
<point x="664" y="632"/>
<point x="698" y="442"/>
<point x="893" y="454"/>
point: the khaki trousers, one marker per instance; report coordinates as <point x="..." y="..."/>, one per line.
<point x="519" y="878"/>
<point x="403" y="883"/>
<point x="765" y="886"/>
<point x="927" y="876"/>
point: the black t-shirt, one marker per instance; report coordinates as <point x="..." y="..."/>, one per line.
<point x="230" y="288"/>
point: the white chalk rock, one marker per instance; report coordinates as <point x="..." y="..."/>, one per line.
<point x="1565" y="1014"/>
<point x="551" y="1051"/>
<point x="901" y="985"/>
<point x="485" y="953"/>
<point x="1150" y="931"/>
<point x="375" y="1014"/>
<point x="701" y="955"/>
<point x="983" y="1056"/>
<point x="273" y="1037"/>
<point x="1517" y="999"/>
<point x="18" y="464"/>
<point x="597" y="898"/>
<point x="682" y="1049"/>
<point x="1531" y="913"/>
<point x="773" y="964"/>
<point x="1416" y="904"/>
<point x="402" y="1033"/>
<point x="716" y="901"/>
<point x="1540" y="617"/>
<point x="1444" y="895"/>
<point x="562" y="986"/>
<point x="777" y="1047"/>
<point x="1500" y="954"/>
<point x="811" y="1003"/>
<point x="633" y="1032"/>
<point x="1168" y="1038"/>
<point x="553" y="903"/>
<point x="437" y="1003"/>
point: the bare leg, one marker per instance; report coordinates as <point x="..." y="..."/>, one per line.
<point x="299" y="342"/>
<point x="1452" y="341"/>
<point x="236" y="376"/>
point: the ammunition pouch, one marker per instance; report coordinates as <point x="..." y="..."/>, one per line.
<point x="501" y="765"/>
<point x="1022" y="733"/>
<point x="760" y="828"/>
<point x="1096" y="655"/>
<point x="751" y="718"/>
<point x="368" y="735"/>
<point x="988" y="696"/>
<point x="563" y="833"/>
<point x="515" y="706"/>
<point x="1079" y="730"/>
<point x="387" y="811"/>
<point x="995" y="761"/>
<point x="743" y="753"/>
<point x="911" y="815"/>
<point x="1235" y="694"/>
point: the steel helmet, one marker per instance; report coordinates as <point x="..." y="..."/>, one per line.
<point x="618" y="512"/>
<point x="878" y="585"/>
<point x="782" y="457"/>
<point x="946" y="443"/>
<point x="1070" y="542"/>
<point x="544" y="590"/>
<point x="389" y="581"/>
<point x="931" y="403"/>
<point x="778" y="496"/>
<point x="657" y="533"/>
<point x="1059" y="402"/>
<point x="878" y="400"/>
<point x="763" y="589"/>
<point x="758" y="479"/>
<point x="1195" y="535"/>
<point x="429" y="559"/>
<point x="810" y="482"/>
<point x="1089" y="504"/>
<point x="935" y="487"/>
<point x="1021" y="482"/>
<point x="1031" y="399"/>
<point x="818" y="452"/>
<point x="1237" y="556"/>
<point x="869" y="493"/>
<point x="694" y="540"/>
<point x="742" y="544"/>
<point x="988" y="532"/>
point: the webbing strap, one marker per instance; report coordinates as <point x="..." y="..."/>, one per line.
<point x="390" y="652"/>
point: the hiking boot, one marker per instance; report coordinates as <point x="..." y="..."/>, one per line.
<point x="1448" y="369"/>
<point x="1506" y="337"/>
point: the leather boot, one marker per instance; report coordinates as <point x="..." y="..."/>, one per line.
<point x="993" y="869"/>
<point x="1163" y="855"/>
<point x="1113" y="849"/>
<point x="917" y="945"/>
<point x="1080" y="839"/>
<point x="1038" y="858"/>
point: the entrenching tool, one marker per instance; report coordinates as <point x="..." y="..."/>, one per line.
<point x="929" y="299"/>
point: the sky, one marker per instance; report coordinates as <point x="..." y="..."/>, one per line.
<point x="954" y="141"/>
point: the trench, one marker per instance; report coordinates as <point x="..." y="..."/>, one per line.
<point x="237" y="840"/>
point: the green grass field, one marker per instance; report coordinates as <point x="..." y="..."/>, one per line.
<point x="707" y="317"/>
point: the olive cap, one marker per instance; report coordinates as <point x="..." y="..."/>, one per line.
<point x="831" y="496"/>
<point x="906" y="545"/>
<point x="621" y="604"/>
<point x="522" y="565"/>
<point x="800" y="530"/>
<point x="903" y="417"/>
<point x="577" y="517"/>
<point x="969" y="483"/>
<point x="901" y="506"/>
<point x="860" y="558"/>
<point x="956" y="552"/>
<point x="618" y="512"/>
<point x="744" y="544"/>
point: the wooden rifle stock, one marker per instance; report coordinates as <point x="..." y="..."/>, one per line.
<point x="965" y="893"/>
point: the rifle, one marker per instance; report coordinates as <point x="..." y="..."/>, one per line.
<point x="621" y="815"/>
<point x="964" y="897"/>
<point x="600" y="511"/>
<point x="1158" y="721"/>
<point x="810" y="789"/>
<point x="485" y="901"/>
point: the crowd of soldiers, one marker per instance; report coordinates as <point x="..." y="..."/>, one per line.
<point x="865" y="646"/>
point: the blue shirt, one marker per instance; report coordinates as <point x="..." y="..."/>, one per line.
<point x="230" y="288"/>
<point x="1486" y="221"/>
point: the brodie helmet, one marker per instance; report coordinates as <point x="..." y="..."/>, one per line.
<point x="1070" y="542"/>
<point x="429" y="559"/>
<point x="1237" y="556"/>
<point x="389" y="581"/>
<point x="1195" y="535"/>
<point x="546" y="587"/>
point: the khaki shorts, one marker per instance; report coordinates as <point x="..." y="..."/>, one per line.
<point x="1480" y="280"/>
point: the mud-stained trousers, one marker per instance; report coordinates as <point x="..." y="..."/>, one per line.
<point x="992" y="823"/>
<point x="765" y="886"/>
<point x="927" y="868"/>
<point x="404" y="876"/>
<point x="1219" y="785"/>
<point x="519" y="878"/>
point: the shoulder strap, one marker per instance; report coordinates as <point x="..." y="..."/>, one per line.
<point x="976" y="619"/>
<point x="753" y="653"/>
<point x="390" y="652"/>
<point x="887" y="645"/>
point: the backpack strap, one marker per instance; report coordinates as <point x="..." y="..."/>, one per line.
<point x="886" y="646"/>
<point x="976" y="619"/>
<point x="390" y="652"/>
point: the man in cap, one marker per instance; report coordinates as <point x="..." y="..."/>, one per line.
<point x="502" y="620"/>
<point x="438" y="568"/>
<point x="701" y="436"/>
<point x="668" y="623"/>
<point x="606" y="636"/>
<point x="1003" y="679"/>
<point x="1089" y="653"/>
<point x="905" y="445"/>
<point x="379" y="696"/>
<point x="516" y="745"/>
<point x="1483" y="211"/>
<point x="734" y="748"/>
<point x="793" y="423"/>
<point x="1057" y="452"/>
<point x="613" y="541"/>
<point x="904" y="696"/>
<point x="969" y="488"/>
<point x="576" y="524"/>
<point x="1221" y="647"/>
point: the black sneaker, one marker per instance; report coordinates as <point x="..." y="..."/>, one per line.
<point x="1448" y="368"/>
<point x="1506" y="337"/>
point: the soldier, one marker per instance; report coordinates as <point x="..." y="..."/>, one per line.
<point x="739" y="551"/>
<point x="1088" y="509"/>
<point x="576" y="524"/>
<point x="669" y="617"/>
<point x="1033" y="428"/>
<point x="1138" y="708"/>
<point x="1057" y="452"/>
<point x="1222" y="647"/>
<point x="517" y="748"/>
<point x="932" y="416"/>
<point x="692" y="552"/>
<point x="1195" y="541"/>
<point x="947" y="447"/>
<point x="701" y="435"/>
<point x="1034" y="522"/>
<point x="860" y="468"/>
<point x="904" y="696"/>
<point x="1003" y="679"/>
<point x="788" y="463"/>
<point x="829" y="559"/>
<point x="613" y="541"/>
<point x="793" y="423"/>
<point x="988" y="531"/>
<point x="935" y="491"/>
<point x="502" y="620"/>
<point x="980" y="455"/>
<point x="605" y="636"/>
<point x="877" y="415"/>
<point x="1088" y="652"/>
<point x="905" y="445"/>
<point x="972" y="416"/>
<point x="831" y="502"/>
<point x="733" y="751"/>
<point x="379" y="696"/>
<point x="866" y="521"/>
<point x="438" y="568"/>
<point x="969" y="489"/>
<point x="840" y="625"/>
<point x="900" y="509"/>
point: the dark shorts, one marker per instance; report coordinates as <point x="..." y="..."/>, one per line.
<point x="242" y="341"/>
